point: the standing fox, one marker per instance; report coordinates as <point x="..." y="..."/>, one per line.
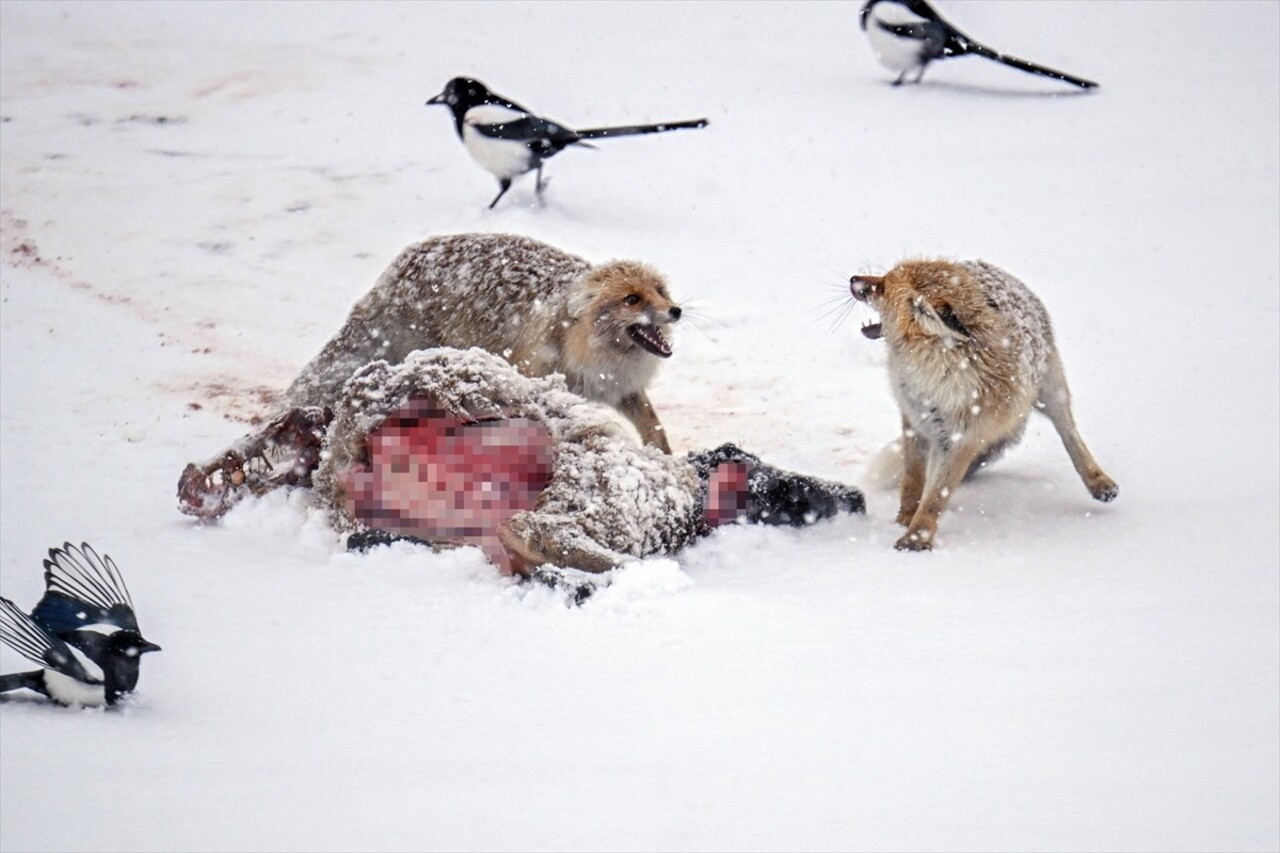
<point x="971" y="352"/>
<point x="545" y="311"/>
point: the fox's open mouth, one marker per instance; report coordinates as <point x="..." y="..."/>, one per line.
<point x="650" y="338"/>
<point x="872" y="330"/>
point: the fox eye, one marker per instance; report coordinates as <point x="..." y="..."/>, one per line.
<point x="948" y="317"/>
<point x="631" y="299"/>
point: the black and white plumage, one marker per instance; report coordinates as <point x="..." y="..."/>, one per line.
<point x="509" y="140"/>
<point x="907" y="35"/>
<point x="83" y="633"/>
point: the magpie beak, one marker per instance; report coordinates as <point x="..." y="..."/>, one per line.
<point x="509" y="140"/>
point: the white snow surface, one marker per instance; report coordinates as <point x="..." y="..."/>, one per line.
<point x="193" y="196"/>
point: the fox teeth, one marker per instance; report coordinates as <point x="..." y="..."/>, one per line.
<point x="650" y="338"/>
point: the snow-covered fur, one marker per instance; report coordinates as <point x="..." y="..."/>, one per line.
<point x="602" y="327"/>
<point x="971" y="354"/>
<point x="609" y="500"/>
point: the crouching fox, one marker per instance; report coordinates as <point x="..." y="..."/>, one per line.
<point x="971" y="353"/>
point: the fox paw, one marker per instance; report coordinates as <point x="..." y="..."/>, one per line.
<point x="1104" y="489"/>
<point x="920" y="540"/>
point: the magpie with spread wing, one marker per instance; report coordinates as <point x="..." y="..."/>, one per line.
<point x="509" y="140"/>
<point x="83" y="633"/>
<point x="907" y="35"/>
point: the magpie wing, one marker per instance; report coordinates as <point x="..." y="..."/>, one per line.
<point x="83" y="588"/>
<point x="21" y="633"/>
<point x="511" y="105"/>
<point x="500" y="122"/>
<point x="930" y="31"/>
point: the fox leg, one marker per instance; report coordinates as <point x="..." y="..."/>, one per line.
<point x="639" y="411"/>
<point x="945" y="470"/>
<point x="1055" y="401"/>
<point x="913" y="468"/>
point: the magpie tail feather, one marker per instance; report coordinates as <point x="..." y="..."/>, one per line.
<point x="637" y="129"/>
<point x="976" y="49"/>
<point x="18" y="680"/>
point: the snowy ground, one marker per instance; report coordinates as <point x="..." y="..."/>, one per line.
<point x="193" y="195"/>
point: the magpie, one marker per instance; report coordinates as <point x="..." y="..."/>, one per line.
<point x="907" y="35"/>
<point x="83" y="633"/>
<point x="509" y="140"/>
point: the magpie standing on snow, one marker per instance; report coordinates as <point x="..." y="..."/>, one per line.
<point x="509" y="140"/>
<point x="907" y="35"/>
<point x="83" y="633"/>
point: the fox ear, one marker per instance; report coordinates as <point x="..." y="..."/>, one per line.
<point x="950" y="320"/>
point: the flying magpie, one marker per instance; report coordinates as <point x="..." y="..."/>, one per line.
<point x="907" y="35"/>
<point x="509" y="140"/>
<point x="83" y="633"/>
